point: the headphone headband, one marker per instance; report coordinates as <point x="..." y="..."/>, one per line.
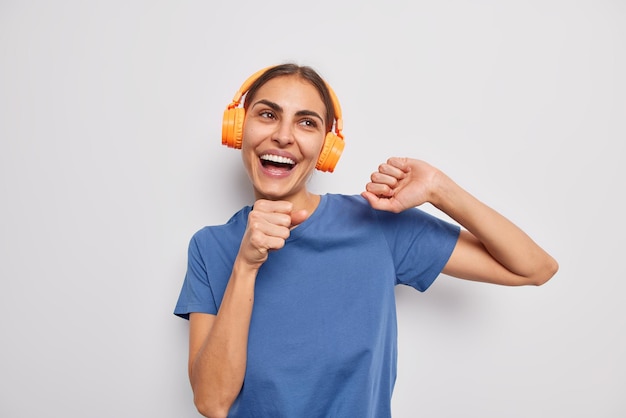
<point x="245" y="87"/>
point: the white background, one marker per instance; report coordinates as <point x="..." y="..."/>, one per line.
<point x="110" y="159"/>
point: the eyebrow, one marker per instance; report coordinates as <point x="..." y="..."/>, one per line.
<point x="278" y="109"/>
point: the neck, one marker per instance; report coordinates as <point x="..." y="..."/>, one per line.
<point x="310" y="203"/>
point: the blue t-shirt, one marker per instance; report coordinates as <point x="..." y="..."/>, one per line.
<point x="323" y="335"/>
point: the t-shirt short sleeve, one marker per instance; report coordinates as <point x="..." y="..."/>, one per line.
<point x="421" y="245"/>
<point x="196" y="294"/>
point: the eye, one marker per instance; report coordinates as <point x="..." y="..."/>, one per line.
<point x="310" y="123"/>
<point x="268" y="114"/>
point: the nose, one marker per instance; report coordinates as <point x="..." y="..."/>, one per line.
<point x="283" y="135"/>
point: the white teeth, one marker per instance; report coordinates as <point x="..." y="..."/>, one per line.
<point x="277" y="159"/>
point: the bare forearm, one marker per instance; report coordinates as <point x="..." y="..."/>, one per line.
<point x="218" y="370"/>
<point x="502" y="239"/>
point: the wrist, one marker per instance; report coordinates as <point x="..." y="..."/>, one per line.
<point x="444" y="192"/>
<point x="242" y="268"/>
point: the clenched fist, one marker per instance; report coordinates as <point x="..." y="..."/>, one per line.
<point x="269" y="225"/>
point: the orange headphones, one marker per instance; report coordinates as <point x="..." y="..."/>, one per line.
<point x="232" y="127"/>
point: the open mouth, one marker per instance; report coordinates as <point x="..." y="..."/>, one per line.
<point x="283" y="163"/>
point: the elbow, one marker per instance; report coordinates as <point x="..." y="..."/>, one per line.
<point x="209" y="410"/>
<point x="213" y="401"/>
<point x="548" y="270"/>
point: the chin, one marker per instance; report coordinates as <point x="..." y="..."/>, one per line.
<point x="277" y="187"/>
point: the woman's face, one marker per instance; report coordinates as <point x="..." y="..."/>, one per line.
<point x="283" y="135"/>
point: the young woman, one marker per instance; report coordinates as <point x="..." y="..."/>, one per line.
<point x="291" y="303"/>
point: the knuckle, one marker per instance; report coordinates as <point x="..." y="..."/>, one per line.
<point x="280" y="243"/>
<point x="254" y="225"/>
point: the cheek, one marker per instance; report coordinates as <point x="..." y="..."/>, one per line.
<point x="247" y="133"/>
<point x="247" y="145"/>
<point x="253" y="132"/>
<point x="316" y="147"/>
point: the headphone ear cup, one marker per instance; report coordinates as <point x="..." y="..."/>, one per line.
<point x="232" y="127"/>
<point x="331" y="151"/>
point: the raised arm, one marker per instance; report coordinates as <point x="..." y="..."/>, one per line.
<point x="218" y="343"/>
<point x="490" y="248"/>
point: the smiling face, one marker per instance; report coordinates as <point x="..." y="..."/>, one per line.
<point x="283" y="133"/>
